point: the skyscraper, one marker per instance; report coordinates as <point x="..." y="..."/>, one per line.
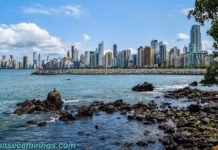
<point x="108" y="59"/>
<point x="155" y="49"/>
<point x="115" y="54"/>
<point x="195" y="45"/>
<point x="34" y="60"/>
<point x="87" y="60"/>
<point x="163" y="54"/>
<point x="74" y="53"/>
<point x="25" y="62"/>
<point x="101" y="53"/>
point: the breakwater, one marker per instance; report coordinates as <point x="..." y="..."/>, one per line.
<point x="121" y="72"/>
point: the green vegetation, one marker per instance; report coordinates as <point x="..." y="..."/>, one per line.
<point x="207" y="10"/>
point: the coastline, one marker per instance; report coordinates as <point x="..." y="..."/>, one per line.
<point x="121" y="72"/>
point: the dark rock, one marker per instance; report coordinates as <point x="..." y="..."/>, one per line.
<point x="96" y="127"/>
<point x="130" y="117"/>
<point x="31" y="123"/>
<point x="81" y="133"/>
<point x="109" y="108"/>
<point x="182" y="122"/>
<point x="195" y="83"/>
<point x="194" y="108"/>
<point x="167" y="128"/>
<point x="66" y="116"/>
<point x="146" y="132"/>
<point x="143" y="88"/>
<point x="141" y="143"/>
<point x="41" y="124"/>
<point x="151" y="140"/>
<point x="54" y="100"/>
<point x="139" y="117"/>
<point x="85" y="111"/>
<point x="205" y="120"/>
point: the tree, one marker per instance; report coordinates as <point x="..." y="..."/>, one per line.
<point x="207" y="10"/>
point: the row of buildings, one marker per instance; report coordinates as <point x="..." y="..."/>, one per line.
<point x="154" y="55"/>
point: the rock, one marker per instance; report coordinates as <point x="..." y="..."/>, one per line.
<point x="215" y="147"/>
<point x="195" y="83"/>
<point x="143" y="88"/>
<point x="194" y="108"/>
<point x="167" y="128"/>
<point x="182" y="122"/>
<point x="141" y="143"/>
<point x="81" y="133"/>
<point x="85" y="111"/>
<point x="23" y="110"/>
<point x="130" y="117"/>
<point x="109" y="108"/>
<point x="66" y="116"/>
<point x="31" y="123"/>
<point x="41" y="124"/>
<point x="146" y="132"/>
<point x="139" y="117"/>
<point x="151" y="140"/>
<point x="205" y="120"/>
<point x="54" y="100"/>
<point x="96" y="127"/>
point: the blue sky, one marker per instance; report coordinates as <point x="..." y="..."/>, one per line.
<point x="56" y="24"/>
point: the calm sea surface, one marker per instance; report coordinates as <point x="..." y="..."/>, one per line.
<point x="115" y="130"/>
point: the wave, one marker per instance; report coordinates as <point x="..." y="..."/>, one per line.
<point x="71" y="101"/>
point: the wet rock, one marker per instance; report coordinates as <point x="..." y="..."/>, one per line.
<point x="143" y="88"/>
<point x="167" y="128"/>
<point x="66" y="116"/>
<point x="41" y="123"/>
<point x="139" y="117"/>
<point x="85" y="111"/>
<point x="31" y="123"/>
<point x="141" y="143"/>
<point x="54" y="100"/>
<point x="109" y="109"/>
<point x="81" y="133"/>
<point x="195" y="83"/>
<point x="96" y="127"/>
<point x="182" y="122"/>
<point x="146" y="132"/>
<point x="194" y="108"/>
<point x="205" y="120"/>
<point x="151" y="140"/>
<point x="130" y="117"/>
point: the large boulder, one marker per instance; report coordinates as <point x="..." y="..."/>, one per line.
<point x="54" y="100"/>
<point x="195" y="83"/>
<point x="143" y="88"/>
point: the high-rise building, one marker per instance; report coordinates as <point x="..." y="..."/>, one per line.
<point x="34" y="60"/>
<point x="163" y="54"/>
<point x="87" y="61"/>
<point x="195" y="45"/>
<point x="74" y="54"/>
<point x="108" y="59"/>
<point x="92" y="58"/>
<point x="25" y="62"/>
<point x="155" y="48"/>
<point x="39" y="61"/>
<point x="101" y="53"/>
<point x="115" y="54"/>
<point x="146" y="56"/>
<point x="174" y="57"/>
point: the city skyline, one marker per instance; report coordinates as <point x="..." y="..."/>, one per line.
<point x="153" y="55"/>
<point x="51" y="28"/>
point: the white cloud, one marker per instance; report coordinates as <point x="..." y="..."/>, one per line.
<point x="86" y="37"/>
<point x="185" y="11"/>
<point x="207" y="45"/>
<point x="133" y="50"/>
<point x="29" y="37"/>
<point x="182" y="37"/>
<point x="68" y="10"/>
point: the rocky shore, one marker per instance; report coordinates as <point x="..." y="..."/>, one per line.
<point x="192" y="127"/>
<point x="121" y="72"/>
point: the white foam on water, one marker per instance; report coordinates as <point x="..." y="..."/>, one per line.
<point x="172" y="87"/>
<point x="71" y="101"/>
<point x="52" y="119"/>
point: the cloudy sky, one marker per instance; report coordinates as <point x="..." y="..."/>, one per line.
<point x="49" y="27"/>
